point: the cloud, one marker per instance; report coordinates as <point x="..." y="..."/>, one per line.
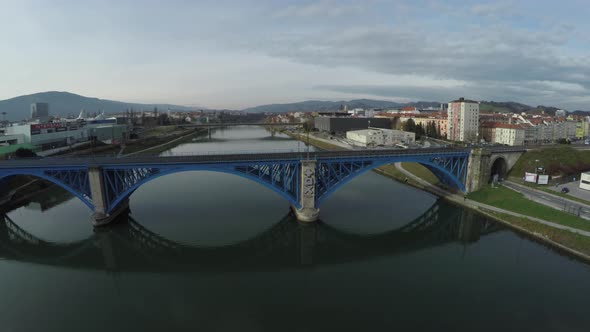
<point x="532" y="92"/>
<point x="498" y="9"/>
<point x="323" y="8"/>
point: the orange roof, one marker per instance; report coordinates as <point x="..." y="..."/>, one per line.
<point x="500" y="125"/>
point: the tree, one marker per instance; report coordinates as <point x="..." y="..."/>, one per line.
<point x="24" y="153"/>
<point x="410" y="126"/>
<point x="308" y="125"/>
<point x="419" y="130"/>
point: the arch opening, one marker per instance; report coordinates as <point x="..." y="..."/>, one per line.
<point x="499" y="168"/>
<point x="445" y="177"/>
<point x="128" y="192"/>
<point x="44" y="182"/>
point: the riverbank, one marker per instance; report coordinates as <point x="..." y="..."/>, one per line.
<point x="561" y="238"/>
<point x="157" y="145"/>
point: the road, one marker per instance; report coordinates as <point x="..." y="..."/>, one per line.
<point x="556" y="202"/>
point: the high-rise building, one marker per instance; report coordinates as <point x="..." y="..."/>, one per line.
<point x="463" y="120"/>
<point x="40" y="111"/>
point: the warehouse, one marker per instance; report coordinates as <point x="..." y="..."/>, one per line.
<point x="340" y="125"/>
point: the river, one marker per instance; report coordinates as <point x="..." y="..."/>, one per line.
<point x="216" y="252"/>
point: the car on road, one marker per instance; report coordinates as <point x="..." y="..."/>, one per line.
<point x="565" y="190"/>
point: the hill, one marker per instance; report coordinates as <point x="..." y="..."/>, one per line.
<point x="327" y="106"/>
<point x="514" y="107"/>
<point x="65" y="103"/>
<point x="557" y="160"/>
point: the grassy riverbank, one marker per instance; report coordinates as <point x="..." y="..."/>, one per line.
<point x="158" y="144"/>
<point x="511" y="200"/>
<point x="564" y="238"/>
<point x="421" y="172"/>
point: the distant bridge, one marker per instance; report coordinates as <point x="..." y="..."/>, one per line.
<point x="263" y="124"/>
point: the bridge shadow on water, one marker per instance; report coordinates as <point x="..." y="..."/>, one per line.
<point x="128" y="246"/>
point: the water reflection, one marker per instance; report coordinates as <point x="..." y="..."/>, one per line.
<point x="129" y="246"/>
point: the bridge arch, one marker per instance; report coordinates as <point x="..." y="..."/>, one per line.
<point x="75" y="181"/>
<point x="292" y="199"/>
<point x="439" y="171"/>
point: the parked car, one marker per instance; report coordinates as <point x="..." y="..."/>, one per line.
<point x="565" y="190"/>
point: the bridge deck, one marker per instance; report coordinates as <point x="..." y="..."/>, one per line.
<point x="234" y="157"/>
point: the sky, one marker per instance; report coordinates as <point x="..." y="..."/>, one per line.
<point x="237" y="54"/>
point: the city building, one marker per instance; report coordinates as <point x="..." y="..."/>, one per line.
<point x="48" y="135"/>
<point x="340" y="125"/>
<point x="55" y="134"/>
<point x="503" y="133"/>
<point x="40" y="111"/>
<point x="440" y="121"/>
<point x="463" y="120"/>
<point x="380" y="137"/>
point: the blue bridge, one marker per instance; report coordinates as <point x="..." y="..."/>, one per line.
<point x="104" y="184"/>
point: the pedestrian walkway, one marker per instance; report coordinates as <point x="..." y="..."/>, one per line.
<point x="462" y="200"/>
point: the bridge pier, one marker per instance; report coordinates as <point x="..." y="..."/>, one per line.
<point x="101" y="216"/>
<point x="308" y="211"/>
<point x="478" y="170"/>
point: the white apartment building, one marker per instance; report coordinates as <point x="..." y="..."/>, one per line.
<point x="509" y="135"/>
<point x="378" y="137"/>
<point x="463" y="120"/>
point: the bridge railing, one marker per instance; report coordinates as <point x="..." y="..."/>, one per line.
<point x="228" y="156"/>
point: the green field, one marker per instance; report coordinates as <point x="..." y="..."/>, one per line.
<point x="510" y="200"/>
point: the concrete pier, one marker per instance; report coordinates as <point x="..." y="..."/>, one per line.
<point x="100" y="216"/>
<point x="308" y="211"/>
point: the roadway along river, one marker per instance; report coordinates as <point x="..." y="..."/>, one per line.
<point x="211" y="251"/>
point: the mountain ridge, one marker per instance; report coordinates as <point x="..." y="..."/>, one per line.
<point x="62" y="103"/>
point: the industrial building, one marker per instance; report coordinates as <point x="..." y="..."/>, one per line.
<point x="340" y="125"/>
<point x="50" y="135"/>
<point x="380" y="137"/>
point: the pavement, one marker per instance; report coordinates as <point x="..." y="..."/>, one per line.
<point x="554" y="201"/>
<point x="460" y="199"/>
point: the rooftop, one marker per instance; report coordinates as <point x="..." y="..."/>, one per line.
<point x="500" y="125"/>
<point x="463" y="100"/>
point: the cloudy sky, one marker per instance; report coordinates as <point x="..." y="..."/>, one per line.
<point x="235" y="54"/>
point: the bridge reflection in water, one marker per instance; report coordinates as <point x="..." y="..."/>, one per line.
<point x="129" y="247"/>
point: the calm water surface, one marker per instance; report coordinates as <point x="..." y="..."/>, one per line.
<point x="211" y="251"/>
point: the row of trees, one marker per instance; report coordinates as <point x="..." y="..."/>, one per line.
<point x="431" y="130"/>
